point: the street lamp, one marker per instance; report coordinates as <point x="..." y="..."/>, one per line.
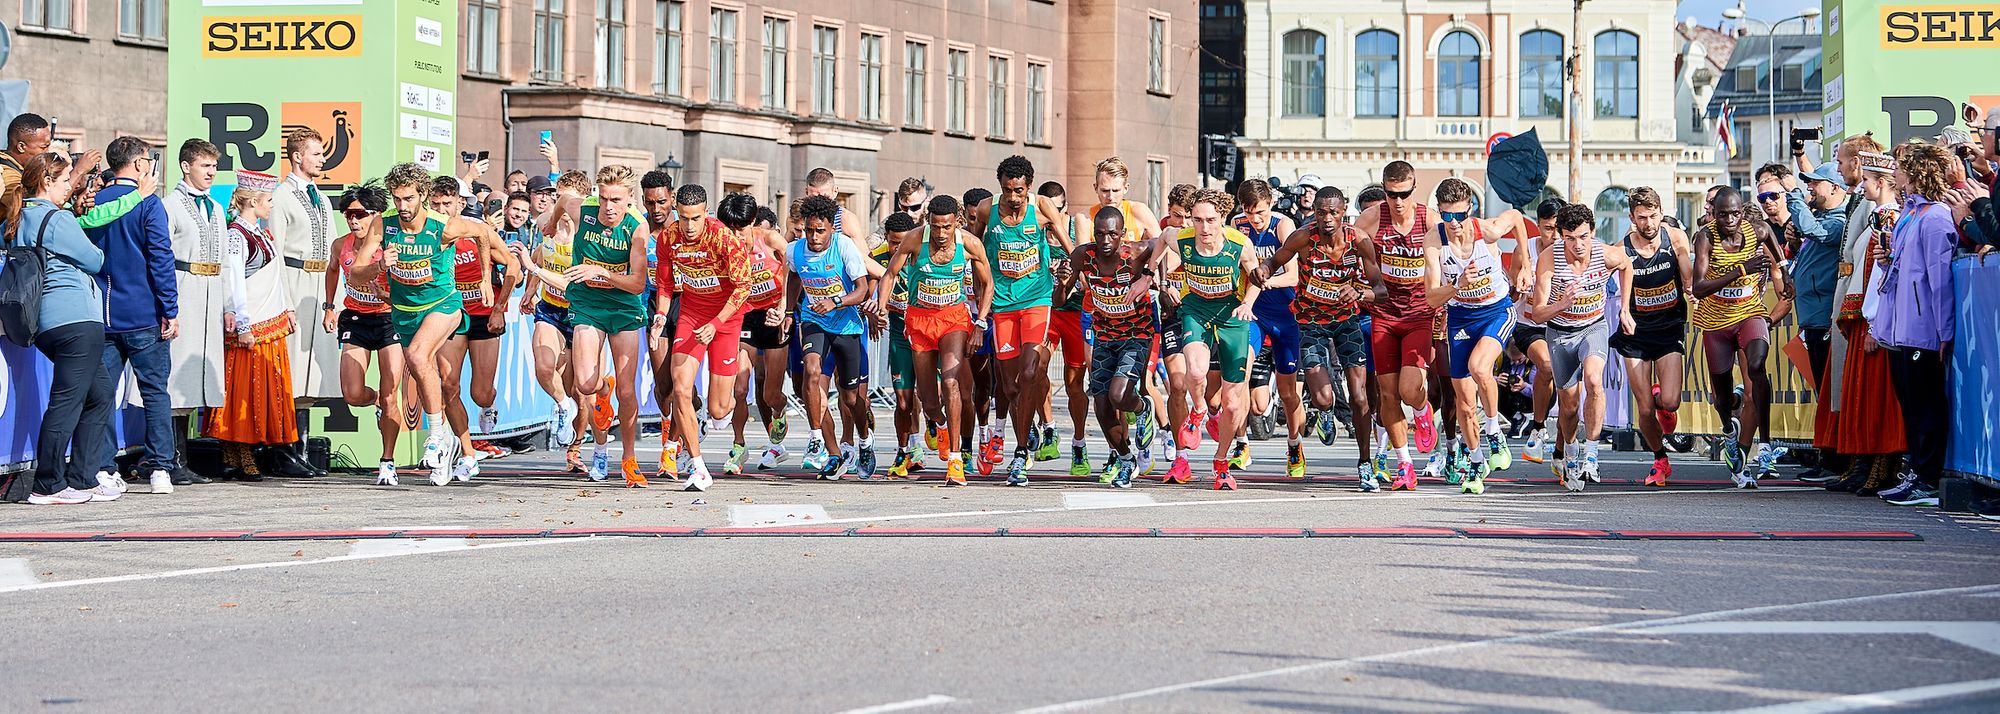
<point x="1771" y="61"/>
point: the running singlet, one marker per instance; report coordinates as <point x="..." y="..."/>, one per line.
<point x="765" y="290"/>
<point x="1117" y="312"/>
<point x="939" y="285"/>
<point x="1588" y="307"/>
<point x="1214" y="285"/>
<point x="708" y="267"/>
<point x="421" y="277"/>
<point x="554" y="255"/>
<point x="1321" y="278"/>
<point x="1742" y="298"/>
<point x="610" y="248"/>
<point x="1485" y="282"/>
<point x="899" y="290"/>
<point x="1272" y="303"/>
<point x="369" y="300"/>
<point x="465" y="272"/>
<point x="826" y="276"/>
<point x="1020" y="257"/>
<point x="1656" y="289"/>
<point x="1402" y="259"/>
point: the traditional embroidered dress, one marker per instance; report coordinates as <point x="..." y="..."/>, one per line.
<point x="259" y="408"/>
<point x="302" y="227"/>
<point x="198" y="230"/>
<point x="1870" y="419"/>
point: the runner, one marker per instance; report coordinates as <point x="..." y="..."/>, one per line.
<point x="417" y="249"/>
<point x="1332" y="269"/>
<point x="707" y="263"/>
<point x="1275" y="322"/>
<point x="478" y="264"/>
<point x="940" y="318"/>
<point x="829" y="280"/>
<point x="1570" y="278"/>
<point x="1069" y="330"/>
<point x="605" y="287"/>
<point x="1466" y="276"/>
<point x="909" y="443"/>
<point x="1113" y="271"/>
<point x="1531" y="337"/>
<point x="1402" y="319"/>
<point x="762" y="343"/>
<point x="1736" y="259"/>
<point x="1656" y="346"/>
<point x="1020" y="250"/>
<point x="1180" y="386"/>
<point x="1111" y="182"/>
<point x="1215" y="313"/>
<point x="544" y="297"/>
<point x="363" y="327"/>
<point x="661" y="208"/>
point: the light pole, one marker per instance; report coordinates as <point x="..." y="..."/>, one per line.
<point x="1771" y="62"/>
<point x="1575" y="100"/>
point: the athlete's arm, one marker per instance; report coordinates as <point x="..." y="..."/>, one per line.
<point x="1371" y="266"/>
<point x="1679" y="240"/>
<point x="1287" y="276"/>
<point x="566" y="205"/>
<point x="1435" y="291"/>
<point x="1170" y="261"/>
<point x="1619" y="261"/>
<point x="1295" y="243"/>
<point x="1509" y="222"/>
<point x="1246" y="261"/>
<point x="1546" y="305"/>
<point x="633" y="280"/>
<point x="1705" y="287"/>
<point x="1780" y="277"/>
<point x="368" y="255"/>
<point x="1061" y="227"/>
<point x="1149" y="224"/>
<point x="907" y="244"/>
<point x="1068" y="282"/>
<point x="982" y="275"/>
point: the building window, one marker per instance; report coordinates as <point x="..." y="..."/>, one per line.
<point x="996" y="96"/>
<point x="871" y="78"/>
<point x="611" y="44"/>
<point x="146" y="20"/>
<point x="1746" y="78"/>
<point x="1156" y="182"/>
<point x="826" y="70"/>
<point x="916" y="64"/>
<point x="1614" y="219"/>
<point x="1038" y="93"/>
<point x="722" y="56"/>
<point x="1541" y="74"/>
<point x="777" y="64"/>
<point x="956" y="64"/>
<point x="1156" y="54"/>
<point x="668" y="39"/>
<point x="1617" y="74"/>
<point x="48" y="15"/>
<point x="1377" y="68"/>
<point x="1458" y="75"/>
<point x="551" y="23"/>
<point x="1791" y="78"/>
<point x="1305" y="74"/>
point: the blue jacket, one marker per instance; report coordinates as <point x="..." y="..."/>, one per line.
<point x="1816" y="269"/>
<point x="138" y="275"/>
<point x="69" y="296"/>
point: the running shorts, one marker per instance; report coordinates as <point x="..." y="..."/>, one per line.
<point x="1465" y="329"/>
<point x="1170" y="334"/>
<point x="1569" y="348"/>
<point x="1338" y="345"/>
<point x="554" y="316"/>
<point x="1113" y="359"/>
<point x="1260" y="365"/>
<point x="1282" y="334"/>
<point x="1395" y="345"/>
<point x="795" y="347"/>
<point x="720" y="352"/>
<point x="475" y="329"/>
<point x="927" y="327"/>
<point x="1526" y="335"/>
<point x="608" y="321"/>
<point x="1721" y="346"/>
<point x="1016" y="329"/>
<point x="848" y="353"/>
<point x="367" y="330"/>
<point x="760" y="335"/>
<point x="1650" y="345"/>
<point x="902" y="366"/>
<point x="408" y="322"/>
<point x="1070" y="330"/>
<point x="1228" y="344"/>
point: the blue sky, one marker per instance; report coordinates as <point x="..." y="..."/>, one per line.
<point x="1708" y="12"/>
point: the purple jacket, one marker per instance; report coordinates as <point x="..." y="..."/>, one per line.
<point x="1917" y="307"/>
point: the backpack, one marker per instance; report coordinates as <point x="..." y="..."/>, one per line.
<point x="21" y="285"/>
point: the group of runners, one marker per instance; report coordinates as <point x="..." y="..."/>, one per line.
<point x="1156" y="317"/>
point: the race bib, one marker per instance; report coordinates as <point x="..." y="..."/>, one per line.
<point x="1020" y="259"/>
<point x="939" y="293"/>
<point x="1655" y="298"/>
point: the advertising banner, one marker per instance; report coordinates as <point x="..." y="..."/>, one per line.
<point x="1975" y="370"/>
<point x="1888" y="65"/>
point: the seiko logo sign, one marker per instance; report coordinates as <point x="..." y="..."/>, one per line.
<point x="1940" y="26"/>
<point x="293" y="36"/>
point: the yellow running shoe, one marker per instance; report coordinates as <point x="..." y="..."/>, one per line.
<point x="633" y="479"/>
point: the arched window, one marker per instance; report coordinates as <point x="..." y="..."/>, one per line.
<point x="1617" y="71"/>
<point x="1541" y="74"/>
<point x="1613" y="218"/>
<point x="1377" y="65"/>
<point x="1305" y="74"/>
<point x="1458" y="75"/>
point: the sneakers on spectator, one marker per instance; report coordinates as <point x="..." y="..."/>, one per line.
<point x="163" y="482"/>
<point x="1919" y="494"/>
<point x="67" y="496"/>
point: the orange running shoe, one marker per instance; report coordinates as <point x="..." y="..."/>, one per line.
<point x="633" y="479"/>
<point x="574" y="455"/>
<point x="1661" y="470"/>
<point x="954" y="471"/>
<point x="601" y="411"/>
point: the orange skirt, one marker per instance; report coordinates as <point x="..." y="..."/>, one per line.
<point x="258" y="382"/>
<point x="1871" y="418"/>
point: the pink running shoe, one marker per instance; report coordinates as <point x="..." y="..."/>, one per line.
<point x="1181" y="473"/>
<point x="1406" y="477"/>
<point x="1190" y="431"/>
<point x="1426" y="428"/>
<point x="1214" y="427"/>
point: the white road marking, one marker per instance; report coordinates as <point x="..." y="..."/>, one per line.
<point x="1977" y="635"/>
<point x="930" y="701"/>
<point x="1875" y="700"/>
<point x="137" y="577"/>
<point x="405" y="546"/>
<point x="777" y="514"/>
<point x="17" y="571"/>
<point x="1084" y="500"/>
<point x="1710" y="616"/>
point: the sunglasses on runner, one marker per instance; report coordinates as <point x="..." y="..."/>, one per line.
<point x="1454" y="216"/>
<point x="1400" y="195"/>
<point x="358" y="213"/>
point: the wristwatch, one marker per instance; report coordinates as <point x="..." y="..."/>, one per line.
<point x="327" y="306"/>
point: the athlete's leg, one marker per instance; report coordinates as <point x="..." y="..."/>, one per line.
<point x="815" y="401"/>
<point x="451" y="367"/>
<point x="1197" y="355"/>
<point x="354" y="387"/>
<point x="771" y="385"/>
<point x="549" y="357"/>
<point x="951" y="366"/>
<point x="625" y="364"/>
<point x="389" y="396"/>
<point x="740" y="415"/>
<point x="435" y="329"/>
<point x="1667" y="372"/>
<point x="485" y="355"/>
<point x="686" y="369"/>
<point x="1594" y="400"/>
<point x="1484" y="355"/>
<point x="1639" y="375"/>
<point x="1544" y="382"/>
<point x="1364" y="414"/>
<point x="1757" y="413"/>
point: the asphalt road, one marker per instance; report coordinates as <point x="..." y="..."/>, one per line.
<point x="740" y="622"/>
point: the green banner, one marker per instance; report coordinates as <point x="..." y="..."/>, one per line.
<point x="1903" y="68"/>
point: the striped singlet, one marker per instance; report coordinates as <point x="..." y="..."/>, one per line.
<point x="1742" y="298"/>
<point x="1588" y="308"/>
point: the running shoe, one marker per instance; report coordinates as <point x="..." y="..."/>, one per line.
<point x="65" y="497"/>
<point x="834" y="467"/>
<point x="1475" y="479"/>
<point x="1311" y="426"/>
<point x="1144" y="423"/>
<point x="1572" y="473"/>
<point x="779" y="427"/>
<point x="816" y="455"/>
<point x="931" y="436"/>
<point x="563" y="422"/>
<point x="1123" y="479"/>
<point x="1328" y="429"/>
<point x="773" y="455"/>
<point x="1110" y="471"/>
<point x="1214" y="426"/>
<point x="670" y="454"/>
<point x="1669" y="420"/>
<point x="865" y="463"/>
<point x="434" y="448"/>
<point x="1145" y="461"/>
<point x="1239" y="454"/>
<point x="489" y="420"/>
<point x="901" y="468"/>
<point x="734" y="464"/>
<point x="466" y="468"/>
<point x="1434" y="467"/>
<point x="1017" y="469"/>
<point x="1366" y="472"/>
<point x="954" y="471"/>
<point x="1381" y="469"/>
<point x="1905" y="482"/>
<point x="1744" y="479"/>
<point x="1406" y="477"/>
<point x="385" y="474"/>
<point x="698" y="479"/>
<point x="1536" y="450"/>
<point x="1499" y="456"/>
<point x="1920" y="495"/>
<point x="573" y="456"/>
<point x="1457" y="463"/>
<point x="441" y="475"/>
<point x="601" y="411"/>
<point x="1049" y="449"/>
<point x="1426" y="428"/>
<point x="1732" y="454"/>
<point x="1295" y="460"/>
<point x="633" y="478"/>
<point x="600" y="464"/>
<point x="1662" y="469"/>
<point x="1767" y="458"/>
<point x="1180" y="472"/>
<point x="992" y="454"/>
<point x="1590" y="466"/>
<point x="1189" y="432"/>
<point x="1224" y="481"/>
<point x="1079" y="460"/>
<point x="916" y="465"/>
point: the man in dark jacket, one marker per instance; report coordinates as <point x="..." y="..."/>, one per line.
<point x="141" y="310"/>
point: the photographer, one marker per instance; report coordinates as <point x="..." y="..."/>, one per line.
<point x="1972" y="207"/>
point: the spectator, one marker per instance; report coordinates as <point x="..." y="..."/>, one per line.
<point x="257" y="365"/>
<point x="138" y="277"/>
<point x="1867" y="421"/>
<point x="1973" y="207"/>
<point x="1819" y="217"/>
<point x="1916" y="318"/>
<point x="543" y="193"/>
<point x="517" y="181"/>
<point x="71" y="337"/>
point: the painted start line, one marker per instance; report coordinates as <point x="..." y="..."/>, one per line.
<point x="794" y="531"/>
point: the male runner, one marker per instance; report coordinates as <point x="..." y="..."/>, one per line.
<point x="1215" y="311"/>
<point x="1401" y="338"/>
<point x="939" y="260"/>
<point x="1531" y="337"/>
<point x="1275" y="322"/>
<point x="708" y="265"/>
<point x="364" y="329"/>
<point x="1069" y="330"/>
<point x="1111" y="183"/>
<point x="829" y="280"/>
<point x="1332" y="271"/>
<point x="1019" y="248"/>
<point x="1654" y="350"/>
<point x="1465" y="275"/>
<point x="1182" y="390"/>
<point x="606" y="306"/>
<point x="475" y="262"/>
<point x="902" y="371"/>
<point x="1113" y="271"/>
<point x="662" y="211"/>
<point x="545" y="299"/>
<point x="1735" y="259"/>
<point x="1570" y="279"/>
<point x="766" y="335"/>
